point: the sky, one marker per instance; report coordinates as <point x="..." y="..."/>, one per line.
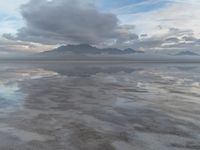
<point x="165" y="26"/>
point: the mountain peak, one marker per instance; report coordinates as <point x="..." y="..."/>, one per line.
<point x="81" y="45"/>
<point x="86" y="49"/>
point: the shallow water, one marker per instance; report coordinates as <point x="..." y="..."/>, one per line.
<point x="95" y="106"/>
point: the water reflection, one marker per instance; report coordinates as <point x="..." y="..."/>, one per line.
<point x="11" y="96"/>
<point x="71" y="105"/>
<point x="146" y="77"/>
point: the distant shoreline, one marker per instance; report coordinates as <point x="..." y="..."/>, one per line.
<point x="101" y="61"/>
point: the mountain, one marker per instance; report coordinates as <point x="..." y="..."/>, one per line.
<point x="186" y="53"/>
<point x="85" y="52"/>
<point x="85" y="49"/>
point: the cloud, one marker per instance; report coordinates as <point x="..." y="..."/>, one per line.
<point x="13" y="47"/>
<point x="10" y="7"/>
<point x="181" y="14"/>
<point x="181" y="40"/>
<point x="173" y="40"/>
<point x="71" y="21"/>
<point x="10" y="18"/>
<point x="52" y="22"/>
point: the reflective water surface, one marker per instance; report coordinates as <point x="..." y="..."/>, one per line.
<point x="99" y="106"/>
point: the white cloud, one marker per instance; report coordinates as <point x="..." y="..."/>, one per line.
<point x="17" y="47"/>
<point x="11" y="6"/>
<point x="10" y="18"/>
<point x="181" y="14"/>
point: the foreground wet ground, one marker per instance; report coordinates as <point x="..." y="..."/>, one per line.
<point x="64" y="106"/>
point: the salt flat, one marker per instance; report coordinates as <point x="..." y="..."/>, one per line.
<point x="93" y="106"/>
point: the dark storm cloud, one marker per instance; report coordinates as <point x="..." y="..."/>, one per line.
<point x="70" y="21"/>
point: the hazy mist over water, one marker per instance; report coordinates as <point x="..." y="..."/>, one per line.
<point x="92" y="106"/>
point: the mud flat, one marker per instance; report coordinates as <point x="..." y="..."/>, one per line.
<point x="106" y="108"/>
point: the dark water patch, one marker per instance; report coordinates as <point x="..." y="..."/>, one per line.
<point x="192" y="146"/>
<point x="135" y="90"/>
<point x="184" y="93"/>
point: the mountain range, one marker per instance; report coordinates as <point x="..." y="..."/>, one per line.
<point x="85" y="49"/>
<point x="186" y="53"/>
<point x="87" y="52"/>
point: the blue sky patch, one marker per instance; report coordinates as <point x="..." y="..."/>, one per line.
<point x="133" y="6"/>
